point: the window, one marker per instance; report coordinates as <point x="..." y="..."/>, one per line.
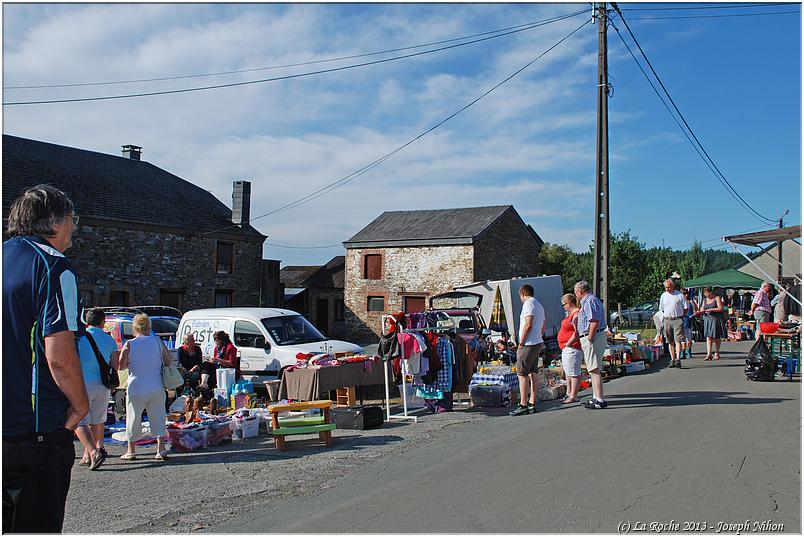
<point x="292" y="330"/>
<point x="87" y="298"/>
<point x="248" y="334"/>
<point x="170" y="298"/>
<point x="339" y="310"/>
<point x="127" y="329"/>
<point x="118" y="298"/>
<point x="375" y="303"/>
<point x="372" y="267"/>
<point x="223" y="299"/>
<point x="225" y="255"/>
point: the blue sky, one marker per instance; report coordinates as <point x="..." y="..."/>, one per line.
<point x="530" y="143"/>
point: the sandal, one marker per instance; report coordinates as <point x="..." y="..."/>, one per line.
<point x="568" y="400"/>
<point x="161" y="456"/>
<point x="84" y="462"/>
<point x="128" y="456"/>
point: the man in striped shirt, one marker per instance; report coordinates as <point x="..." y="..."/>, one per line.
<point x="592" y="329"/>
<point x="760" y="306"/>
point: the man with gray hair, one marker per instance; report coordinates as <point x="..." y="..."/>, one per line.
<point x="761" y="308"/>
<point x="44" y="397"/>
<point x="672" y="306"/>
<point x="591" y="328"/>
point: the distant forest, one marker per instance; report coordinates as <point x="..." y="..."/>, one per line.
<point x="636" y="273"/>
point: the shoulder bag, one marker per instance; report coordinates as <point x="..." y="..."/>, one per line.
<point x="171" y="376"/>
<point x="109" y="377"/>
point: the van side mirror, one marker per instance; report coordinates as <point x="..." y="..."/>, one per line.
<point x="267" y="347"/>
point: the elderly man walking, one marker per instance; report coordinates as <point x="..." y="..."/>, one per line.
<point x="672" y="306"/>
<point x="760" y="307"/>
<point x="591" y="328"/>
<point x="44" y="397"/>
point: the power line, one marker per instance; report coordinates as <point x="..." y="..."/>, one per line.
<point x="712" y="240"/>
<point x="717" y="16"/>
<point x="299" y="64"/>
<point x="365" y="169"/>
<point x="725" y="182"/>
<point x="304" y="247"/>
<point x="719" y="6"/>
<point x="298" y="75"/>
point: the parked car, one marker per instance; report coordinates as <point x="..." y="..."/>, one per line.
<point x="164" y="322"/>
<point x="267" y="339"/>
<point x="464" y="309"/>
<point x="641" y="314"/>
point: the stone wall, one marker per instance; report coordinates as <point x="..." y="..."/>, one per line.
<point x="414" y="271"/>
<point x="142" y="262"/>
<point x="506" y="249"/>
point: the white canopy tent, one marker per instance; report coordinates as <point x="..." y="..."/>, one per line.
<point x="763" y="237"/>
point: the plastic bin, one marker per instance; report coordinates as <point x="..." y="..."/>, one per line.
<point x="186" y="440"/>
<point x="768" y="328"/>
<point x="225" y="377"/>
<point x="219" y="432"/>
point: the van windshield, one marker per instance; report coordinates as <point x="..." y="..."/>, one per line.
<point x="292" y="330"/>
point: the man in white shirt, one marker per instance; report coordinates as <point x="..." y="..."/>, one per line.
<point x="671" y="304"/>
<point x="531" y="343"/>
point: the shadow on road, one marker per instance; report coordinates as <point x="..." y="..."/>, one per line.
<point x="637" y="400"/>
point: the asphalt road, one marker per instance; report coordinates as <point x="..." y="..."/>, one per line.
<point x="699" y="446"/>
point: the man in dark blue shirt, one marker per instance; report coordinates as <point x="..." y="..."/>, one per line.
<point x="44" y="397"/>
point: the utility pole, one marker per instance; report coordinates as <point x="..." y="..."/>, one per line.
<point x="601" y="273"/>
<point x="779" y="247"/>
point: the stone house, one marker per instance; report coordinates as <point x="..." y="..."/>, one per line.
<point x="145" y="235"/>
<point x="317" y="293"/>
<point x="403" y="257"/>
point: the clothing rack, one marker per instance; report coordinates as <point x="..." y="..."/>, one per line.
<point x="401" y="350"/>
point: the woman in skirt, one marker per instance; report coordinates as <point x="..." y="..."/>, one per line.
<point x="714" y="325"/>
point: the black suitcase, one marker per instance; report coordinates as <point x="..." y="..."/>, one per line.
<point x="358" y="417"/>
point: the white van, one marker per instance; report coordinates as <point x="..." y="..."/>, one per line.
<point x="267" y="339"/>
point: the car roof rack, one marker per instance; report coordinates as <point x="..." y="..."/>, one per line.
<point x="148" y="310"/>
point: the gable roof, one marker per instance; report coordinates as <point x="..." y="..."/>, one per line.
<point x="110" y="187"/>
<point x="294" y="276"/>
<point x="427" y="227"/>
<point x="330" y="275"/>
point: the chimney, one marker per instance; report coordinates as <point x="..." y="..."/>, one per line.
<point x="241" y="202"/>
<point x="132" y="151"/>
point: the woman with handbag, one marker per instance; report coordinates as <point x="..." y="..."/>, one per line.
<point x="144" y="357"/>
<point x="99" y="360"/>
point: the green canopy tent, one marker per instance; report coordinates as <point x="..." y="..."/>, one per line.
<point x="729" y="278"/>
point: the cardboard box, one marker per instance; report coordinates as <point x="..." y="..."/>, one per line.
<point x="635" y="367"/>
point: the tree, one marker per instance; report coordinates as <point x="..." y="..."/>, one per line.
<point x="626" y="268"/>
<point x="693" y="262"/>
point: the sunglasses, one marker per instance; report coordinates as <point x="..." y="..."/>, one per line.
<point x="74" y="218"/>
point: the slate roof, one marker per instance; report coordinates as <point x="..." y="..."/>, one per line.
<point x="429" y="227"/>
<point x="111" y="187"/>
<point x="330" y="275"/>
<point x="294" y="276"/>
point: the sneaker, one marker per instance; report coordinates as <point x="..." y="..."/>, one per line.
<point x="519" y="411"/>
<point x="594" y="404"/>
<point x="678" y="364"/>
<point x="672" y="363"/>
<point x="532" y="409"/>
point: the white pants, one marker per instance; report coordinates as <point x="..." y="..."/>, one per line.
<point x="154" y="403"/>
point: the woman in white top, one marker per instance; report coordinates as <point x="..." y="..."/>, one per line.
<point x="144" y="357"/>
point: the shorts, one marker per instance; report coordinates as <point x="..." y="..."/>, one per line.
<point x="761" y="316"/>
<point x="527" y="359"/>
<point x="98" y="395"/>
<point x="673" y="330"/>
<point x="687" y="328"/>
<point x="571" y="361"/>
<point x="593" y="351"/>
